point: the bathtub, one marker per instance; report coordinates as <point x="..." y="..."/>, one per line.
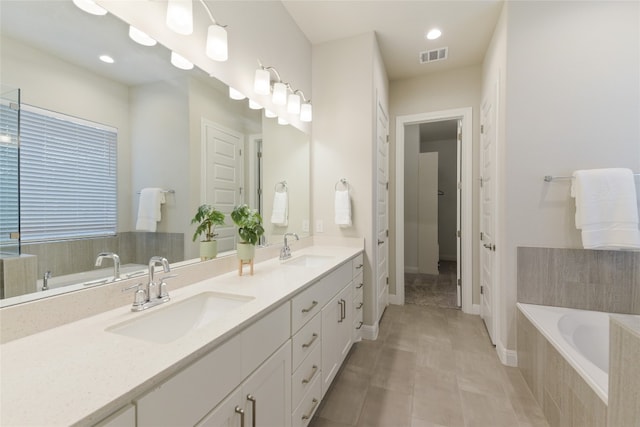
<point x="580" y="336"/>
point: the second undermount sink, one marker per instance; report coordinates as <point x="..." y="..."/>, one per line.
<point x="166" y="324"/>
<point x="309" y="260"/>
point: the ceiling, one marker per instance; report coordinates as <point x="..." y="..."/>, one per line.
<point x="400" y="26"/>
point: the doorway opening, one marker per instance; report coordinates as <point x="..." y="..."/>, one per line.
<point x="432" y="161"/>
<point x="406" y="256"/>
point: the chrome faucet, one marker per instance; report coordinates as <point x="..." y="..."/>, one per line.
<point x="116" y="263"/>
<point x="285" y="252"/>
<point x="155" y="293"/>
<point x="45" y="280"/>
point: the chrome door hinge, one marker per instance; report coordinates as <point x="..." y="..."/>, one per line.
<point x="240" y="151"/>
<point x="481" y="236"/>
<point x="481" y="182"/>
<point x="481" y="128"/>
<point x="387" y="280"/>
<point x="387" y="233"/>
<point x="458" y="233"/>
<point x="481" y="290"/>
<point x="459" y="282"/>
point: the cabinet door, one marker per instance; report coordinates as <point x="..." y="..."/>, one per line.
<point x="337" y="337"/>
<point x="229" y="413"/>
<point x="267" y="392"/>
<point x="345" y="334"/>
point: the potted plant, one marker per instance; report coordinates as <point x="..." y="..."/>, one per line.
<point x="250" y="229"/>
<point x="207" y="217"/>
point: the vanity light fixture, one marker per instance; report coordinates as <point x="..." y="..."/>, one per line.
<point x="279" y="96"/>
<point x="306" y="112"/>
<point x="293" y="103"/>
<point x="141" y="37"/>
<point x="282" y="93"/>
<point x="236" y="94"/>
<point x="90" y="6"/>
<point x="180" y="20"/>
<point x="282" y="121"/>
<point x="180" y="61"/>
<point x="254" y="105"/>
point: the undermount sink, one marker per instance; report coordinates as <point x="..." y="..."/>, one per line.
<point x="165" y="324"/>
<point x="309" y="260"/>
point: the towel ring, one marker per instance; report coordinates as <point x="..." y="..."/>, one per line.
<point x="282" y="185"/>
<point x="344" y="182"/>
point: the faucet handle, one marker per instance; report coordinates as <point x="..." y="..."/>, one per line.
<point x="162" y="290"/>
<point x="140" y="295"/>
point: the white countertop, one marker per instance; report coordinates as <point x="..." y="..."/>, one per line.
<point x="79" y="373"/>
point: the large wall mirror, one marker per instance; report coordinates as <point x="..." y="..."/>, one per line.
<point x="176" y="130"/>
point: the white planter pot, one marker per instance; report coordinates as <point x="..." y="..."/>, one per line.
<point x="208" y="250"/>
<point x="246" y="251"/>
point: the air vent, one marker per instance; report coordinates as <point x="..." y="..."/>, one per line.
<point x="434" y="55"/>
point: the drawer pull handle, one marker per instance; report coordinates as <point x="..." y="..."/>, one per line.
<point x="360" y="325"/>
<point x="310" y="343"/>
<point x="359" y="267"/>
<point x="360" y="285"/>
<point x="313" y="304"/>
<point x="313" y="374"/>
<point x="341" y="311"/>
<point x="313" y="408"/>
<point x="359" y="306"/>
<point x="240" y="411"/>
<point x="252" y="399"/>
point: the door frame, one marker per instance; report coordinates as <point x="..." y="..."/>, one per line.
<point x="466" y="240"/>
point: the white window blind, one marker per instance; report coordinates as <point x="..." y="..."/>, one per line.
<point x="67" y="177"/>
<point x="9" y="219"/>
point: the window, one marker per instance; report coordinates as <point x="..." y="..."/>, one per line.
<point x="67" y="177"/>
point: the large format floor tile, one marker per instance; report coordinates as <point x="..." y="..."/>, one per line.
<point x="430" y="367"/>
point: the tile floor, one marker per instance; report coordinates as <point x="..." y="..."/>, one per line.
<point x="430" y="366"/>
<point x="432" y="289"/>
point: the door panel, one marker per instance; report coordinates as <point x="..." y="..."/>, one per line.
<point x="428" y="251"/>
<point x="382" y="214"/>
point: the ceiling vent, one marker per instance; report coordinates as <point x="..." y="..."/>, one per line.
<point x="434" y="55"/>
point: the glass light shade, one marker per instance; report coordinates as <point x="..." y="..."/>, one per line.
<point x="217" y="43"/>
<point x="90" y="6"/>
<point x="236" y="94"/>
<point x="282" y="121"/>
<point x="254" y="105"/>
<point x="262" y="82"/>
<point x="293" y="103"/>
<point x="180" y="16"/>
<point x="279" y="93"/>
<point x="269" y="114"/>
<point x="180" y="61"/>
<point x="306" y="112"/>
<point x="140" y="37"/>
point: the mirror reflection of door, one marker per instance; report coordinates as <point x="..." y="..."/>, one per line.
<point x="222" y="175"/>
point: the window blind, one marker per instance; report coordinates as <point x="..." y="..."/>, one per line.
<point x="67" y="177"/>
<point x="9" y="219"/>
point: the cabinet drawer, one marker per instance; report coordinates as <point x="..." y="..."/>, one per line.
<point x="306" y="305"/>
<point x="306" y="340"/>
<point x="358" y="265"/>
<point x="305" y="375"/>
<point x="308" y="406"/>
<point x="206" y="382"/>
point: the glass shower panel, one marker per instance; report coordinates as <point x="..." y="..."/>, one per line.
<point x="9" y="172"/>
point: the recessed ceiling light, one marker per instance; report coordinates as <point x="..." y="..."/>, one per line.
<point x="434" y="34"/>
<point x="107" y="59"/>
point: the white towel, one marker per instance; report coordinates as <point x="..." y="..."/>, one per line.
<point x="149" y="209"/>
<point x="606" y="208"/>
<point x="280" y="212"/>
<point x="342" y="208"/>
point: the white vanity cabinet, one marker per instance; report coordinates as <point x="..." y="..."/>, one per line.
<point x="264" y="399"/>
<point x="192" y="393"/>
<point x="337" y="335"/>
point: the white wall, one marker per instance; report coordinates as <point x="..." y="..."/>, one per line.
<point x="572" y="101"/>
<point x="48" y="82"/>
<point x="430" y="93"/>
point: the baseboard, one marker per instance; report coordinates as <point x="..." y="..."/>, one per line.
<point x="394" y="299"/>
<point x="475" y="309"/>
<point x="370" y="332"/>
<point x="506" y="356"/>
<point x="448" y="257"/>
<point x="412" y="270"/>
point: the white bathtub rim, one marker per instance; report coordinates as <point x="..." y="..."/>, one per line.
<point x="546" y="323"/>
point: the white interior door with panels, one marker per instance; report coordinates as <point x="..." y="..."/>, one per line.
<point x="222" y="177"/>
<point x="382" y="210"/>
<point x="488" y="215"/>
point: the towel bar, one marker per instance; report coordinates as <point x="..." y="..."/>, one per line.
<point x="549" y="178"/>
<point x="164" y="191"/>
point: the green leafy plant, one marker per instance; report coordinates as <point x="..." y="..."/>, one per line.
<point x="249" y="223"/>
<point x="207" y="217"/>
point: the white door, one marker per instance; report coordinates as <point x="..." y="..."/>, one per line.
<point x="428" y="248"/>
<point x="222" y="177"/>
<point x="382" y="208"/>
<point x="487" y="214"/>
<point x="459" y="215"/>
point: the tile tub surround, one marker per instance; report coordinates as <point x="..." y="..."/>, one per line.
<point x="580" y="278"/>
<point x="89" y="373"/>
<point x="566" y="399"/>
<point x="624" y="380"/>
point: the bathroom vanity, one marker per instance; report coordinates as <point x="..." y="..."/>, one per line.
<point x="262" y="348"/>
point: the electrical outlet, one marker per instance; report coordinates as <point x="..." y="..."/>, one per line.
<point x="319" y="226"/>
<point x="305" y="226"/>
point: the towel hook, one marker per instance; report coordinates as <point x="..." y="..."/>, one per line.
<point x="344" y="182"/>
